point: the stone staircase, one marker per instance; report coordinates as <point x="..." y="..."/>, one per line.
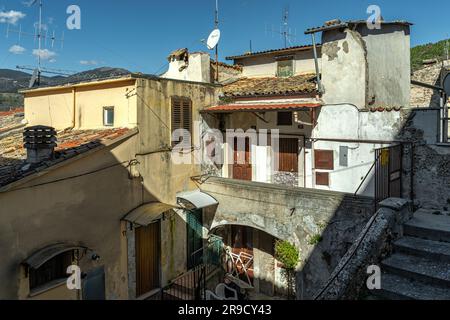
<point x="419" y="267"/>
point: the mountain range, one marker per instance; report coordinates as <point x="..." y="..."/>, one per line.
<point x="12" y="80"/>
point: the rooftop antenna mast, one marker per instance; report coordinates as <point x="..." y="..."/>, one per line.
<point x="285" y="31"/>
<point x="39" y="36"/>
<point x="446" y="48"/>
<point x="216" y="26"/>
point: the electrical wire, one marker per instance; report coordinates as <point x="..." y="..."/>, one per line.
<point x="130" y="163"/>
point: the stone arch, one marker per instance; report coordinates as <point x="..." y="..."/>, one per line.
<point x="268" y="225"/>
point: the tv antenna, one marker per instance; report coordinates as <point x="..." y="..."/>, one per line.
<point x="214" y="38"/>
<point x="446" y="48"/>
<point x="285" y="32"/>
<point x="38" y="36"/>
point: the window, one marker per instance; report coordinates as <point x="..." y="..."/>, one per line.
<point x="324" y="159"/>
<point x="288" y="155"/>
<point x="108" y="116"/>
<point x="284" y="119"/>
<point x="53" y="270"/>
<point x="182" y="119"/>
<point x="285" y="67"/>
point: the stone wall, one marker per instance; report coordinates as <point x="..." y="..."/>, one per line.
<point x="289" y="179"/>
<point x="322" y="224"/>
<point x="432" y="177"/>
<point x="373" y="243"/>
<point x="423" y="97"/>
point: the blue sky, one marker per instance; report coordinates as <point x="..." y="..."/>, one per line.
<point x="139" y="34"/>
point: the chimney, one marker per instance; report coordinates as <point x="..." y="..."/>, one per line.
<point x="189" y="66"/>
<point x="40" y="142"/>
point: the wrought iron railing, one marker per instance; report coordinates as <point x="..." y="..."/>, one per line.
<point x="192" y="284"/>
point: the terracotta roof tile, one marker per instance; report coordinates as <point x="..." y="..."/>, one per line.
<point x="261" y="107"/>
<point x="299" y="84"/>
<point x="271" y="51"/>
<point x="70" y="144"/>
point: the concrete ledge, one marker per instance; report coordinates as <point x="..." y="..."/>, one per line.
<point x="396" y="204"/>
<point x="268" y="187"/>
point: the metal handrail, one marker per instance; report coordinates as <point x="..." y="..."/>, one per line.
<point x="350" y="256"/>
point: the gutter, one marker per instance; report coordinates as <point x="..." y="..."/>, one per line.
<point x="316" y="63"/>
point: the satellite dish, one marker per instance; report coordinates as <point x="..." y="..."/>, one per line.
<point x="213" y="39"/>
<point x="447" y="84"/>
<point x="34" y="78"/>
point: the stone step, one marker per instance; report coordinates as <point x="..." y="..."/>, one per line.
<point x="422" y="269"/>
<point x="394" y="287"/>
<point x="433" y="250"/>
<point x="428" y="226"/>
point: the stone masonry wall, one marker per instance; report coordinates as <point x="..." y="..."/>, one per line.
<point x="322" y="224"/>
<point x="432" y="177"/>
<point x="373" y="243"/>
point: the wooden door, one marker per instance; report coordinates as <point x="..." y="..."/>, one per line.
<point x="242" y="168"/>
<point x="147" y="258"/>
<point x="288" y="155"/>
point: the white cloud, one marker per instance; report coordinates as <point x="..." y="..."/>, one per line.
<point x="89" y="62"/>
<point x="11" y="16"/>
<point x="16" y="49"/>
<point x="45" y="54"/>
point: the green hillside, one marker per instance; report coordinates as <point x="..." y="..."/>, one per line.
<point x="427" y="51"/>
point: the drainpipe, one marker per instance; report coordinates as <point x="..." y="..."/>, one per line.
<point x="74" y="94"/>
<point x="313" y="160"/>
<point x="316" y="62"/>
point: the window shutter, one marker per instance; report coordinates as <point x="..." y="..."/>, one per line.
<point x="288" y="155"/>
<point x="324" y="159"/>
<point x="322" y="178"/>
<point x="181" y="117"/>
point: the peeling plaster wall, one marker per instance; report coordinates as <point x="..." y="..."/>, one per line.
<point x="389" y="65"/>
<point x="343" y="68"/>
<point x="367" y="68"/>
<point x="198" y="69"/>
<point x="295" y="215"/>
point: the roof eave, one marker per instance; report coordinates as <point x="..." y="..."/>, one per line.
<point x="253" y="110"/>
<point x="86" y="83"/>
<point x="270" y="52"/>
<point x="354" y="22"/>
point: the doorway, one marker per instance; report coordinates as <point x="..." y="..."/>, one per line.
<point x="242" y="246"/>
<point x="148" y="264"/>
<point x="242" y="167"/>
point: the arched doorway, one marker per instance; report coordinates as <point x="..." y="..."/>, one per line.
<point x="252" y="253"/>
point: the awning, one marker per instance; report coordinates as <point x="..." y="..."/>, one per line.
<point x="226" y="108"/>
<point x="148" y="213"/>
<point x="196" y="200"/>
<point x="40" y="257"/>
